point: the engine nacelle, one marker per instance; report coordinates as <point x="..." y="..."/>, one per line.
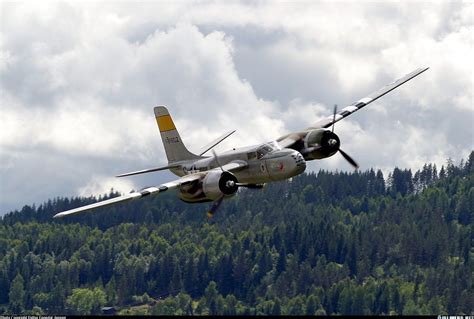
<point x="216" y="184"/>
<point x="319" y="144"/>
<point x="210" y="187"/>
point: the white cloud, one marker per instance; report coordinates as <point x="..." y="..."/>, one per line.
<point x="103" y="185"/>
<point x="79" y="82"/>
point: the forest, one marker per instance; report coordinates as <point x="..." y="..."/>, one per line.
<point x="356" y="243"/>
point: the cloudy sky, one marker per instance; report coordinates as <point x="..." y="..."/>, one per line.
<point x="79" y="82"/>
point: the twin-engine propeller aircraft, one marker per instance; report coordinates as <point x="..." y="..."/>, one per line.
<point x="214" y="178"/>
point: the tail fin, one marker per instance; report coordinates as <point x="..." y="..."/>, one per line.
<point x="174" y="147"/>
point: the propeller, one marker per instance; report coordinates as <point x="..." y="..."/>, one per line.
<point x="349" y="159"/>
<point x="232" y="183"/>
<point x="334" y="117"/>
<point x="217" y="159"/>
<point x="217" y="203"/>
<point x="214" y="207"/>
<point x="344" y="154"/>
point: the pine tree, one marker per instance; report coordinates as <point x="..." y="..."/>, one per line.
<point x="276" y="309"/>
<point x="311" y="305"/>
<point x="17" y="295"/>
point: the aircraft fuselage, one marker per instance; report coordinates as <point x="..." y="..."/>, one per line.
<point x="266" y="162"/>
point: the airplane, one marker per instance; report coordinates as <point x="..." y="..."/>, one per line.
<point x="215" y="178"/>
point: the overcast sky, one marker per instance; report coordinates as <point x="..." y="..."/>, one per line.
<point x="79" y="82"/>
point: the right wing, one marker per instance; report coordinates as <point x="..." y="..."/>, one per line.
<point x="135" y="195"/>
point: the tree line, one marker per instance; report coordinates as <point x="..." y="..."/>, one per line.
<point x="322" y="243"/>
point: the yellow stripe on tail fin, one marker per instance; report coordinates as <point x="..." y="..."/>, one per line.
<point x="165" y="123"/>
<point x="174" y="147"/>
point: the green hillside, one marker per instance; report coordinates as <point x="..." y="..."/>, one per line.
<point x="323" y="243"/>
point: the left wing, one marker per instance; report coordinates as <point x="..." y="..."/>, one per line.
<point x="290" y="139"/>
<point x="135" y="195"/>
<point x="348" y="110"/>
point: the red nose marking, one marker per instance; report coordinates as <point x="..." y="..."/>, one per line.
<point x="281" y="166"/>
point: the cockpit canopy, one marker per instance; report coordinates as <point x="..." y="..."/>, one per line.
<point x="266" y="148"/>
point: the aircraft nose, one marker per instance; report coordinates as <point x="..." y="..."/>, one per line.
<point x="300" y="163"/>
<point x="285" y="164"/>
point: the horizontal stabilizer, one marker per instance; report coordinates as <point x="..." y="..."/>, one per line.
<point x="215" y="142"/>
<point x="161" y="168"/>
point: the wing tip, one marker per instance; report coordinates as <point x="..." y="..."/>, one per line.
<point x="421" y="70"/>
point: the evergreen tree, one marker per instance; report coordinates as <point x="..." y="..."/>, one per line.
<point x="16" y="296"/>
<point x="345" y="246"/>
<point x="311" y="305"/>
<point x="276" y="309"/>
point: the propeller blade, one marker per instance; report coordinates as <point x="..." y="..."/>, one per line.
<point x="334" y="117"/>
<point x="217" y="203"/>
<point x="215" y="207"/>
<point x="217" y="159"/>
<point x="247" y="185"/>
<point x="349" y="159"/>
